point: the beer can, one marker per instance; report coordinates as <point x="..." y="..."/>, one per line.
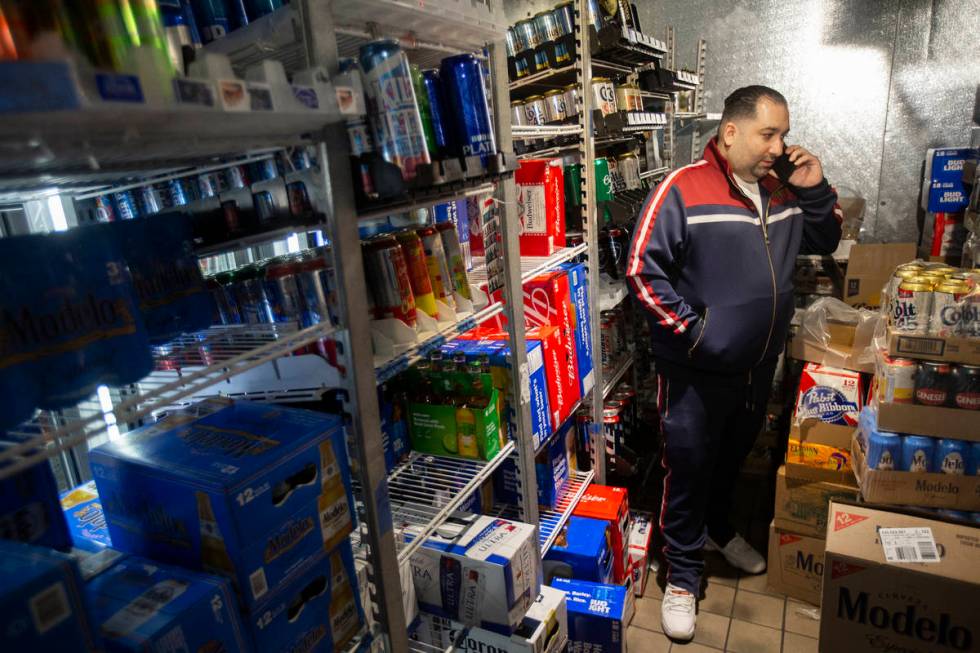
<point x="422" y="100"/>
<point x="104" y="210"/>
<point x="884" y="451"/>
<point x="932" y="383"/>
<point x="571" y="100"/>
<point x="573" y="186"/>
<point x="541" y="61"/>
<point x="621" y="338"/>
<point x="606" y="344"/>
<point x="454" y="256"/>
<point x="629" y="168"/>
<point x="149" y="200"/>
<point x="521" y="68"/>
<point x="554" y="106"/>
<point x="562" y="55"/>
<point x="946" y="312"/>
<point x="387" y="279"/>
<point x="604" y="95"/>
<point x="234" y="178"/>
<point x="511" y="42"/>
<point x="535" y="112"/>
<point x="912" y="306"/>
<point x="527" y="34"/>
<point x="208" y="185"/>
<point x="547" y="26"/>
<point x="902" y="273"/>
<point x="224" y="301"/>
<point x="437" y="265"/>
<point x="440" y="128"/>
<point x="612" y="426"/>
<point x="249" y="293"/>
<point x="393" y="113"/>
<point x="966" y="387"/>
<point x="970" y="315"/>
<point x="281" y="289"/>
<point x="603" y="180"/>
<point x="466" y="104"/>
<point x="517" y="118"/>
<point x="951" y="457"/>
<point x="418" y="271"/>
<point x="918" y="453"/>
<point x="595" y="16"/>
<point x="897" y="385"/>
<point x="627" y="395"/>
<point x="564" y="14"/>
<point x="314" y="277"/>
<point x="125" y="205"/>
<point x="624" y="99"/>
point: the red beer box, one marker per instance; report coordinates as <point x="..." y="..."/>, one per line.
<point x="612" y="505"/>
<point x="547" y="302"/>
<point x="541" y="201"/>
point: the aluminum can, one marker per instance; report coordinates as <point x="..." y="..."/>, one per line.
<point x="212" y="18"/>
<point x="471" y="132"/>
<point x="628" y="396"/>
<point x="438" y="266"/>
<point x="901" y="273"/>
<point x="249" y="293"/>
<point x="612" y="426"/>
<point x="564" y="14"/>
<point x="521" y="68"/>
<point x="562" y="55"/>
<point x="258" y="8"/>
<point x="422" y="100"/>
<point x="313" y="281"/>
<point x="263" y="170"/>
<point x="898" y="383"/>
<point x="149" y="200"/>
<point x="208" y="185"/>
<point x="433" y="89"/>
<point x="517" y="114"/>
<point x="932" y="383"/>
<point x="554" y="106"/>
<point x="603" y="180"/>
<point x="454" y="256"/>
<point x="571" y="100"/>
<point x="547" y="26"/>
<point x="946" y="314"/>
<point x="388" y="283"/>
<point x="604" y="95"/>
<point x="621" y="339"/>
<point x="606" y="344"/>
<point x="535" y="112"/>
<point x="629" y="168"/>
<point x="511" y="41"/>
<point x="970" y="315"/>
<point x="952" y="456"/>
<point x="595" y="16"/>
<point x="418" y="271"/>
<point x="624" y="101"/>
<point x="966" y="387"/>
<point x="616" y="337"/>
<point x="392" y="110"/>
<point x="125" y="205"/>
<point x="104" y="210"/>
<point x="224" y="298"/>
<point x="281" y="289"/>
<point x="918" y="453"/>
<point x="235" y="178"/>
<point x="884" y="451"/>
<point x="527" y="34"/>
<point x="912" y="307"/>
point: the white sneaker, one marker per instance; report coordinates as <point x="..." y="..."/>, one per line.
<point x="740" y="555"/>
<point x="677" y="613"/>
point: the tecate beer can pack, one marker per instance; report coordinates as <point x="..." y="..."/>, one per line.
<point x="829" y="394"/>
<point x="250" y="491"/>
<point x="86" y="521"/>
<point x="597" y="616"/>
<point x="581" y="551"/>
<point x="541" y="201"/>
<point x="486" y="575"/>
<point x="610" y="504"/>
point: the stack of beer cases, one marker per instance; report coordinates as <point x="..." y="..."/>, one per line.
<point x="233" y="513"/>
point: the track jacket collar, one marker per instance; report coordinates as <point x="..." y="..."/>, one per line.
<point x="714" y="157"/>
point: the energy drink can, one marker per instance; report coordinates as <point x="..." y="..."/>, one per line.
<point x="438" y="266"/>
<point x="952" y="457"/>
<point x="433" y="90"/>
<point x="554" y="106"/>
<point x="912" y="307"/>
<point x="966" y="387"/>
<point x="932" y="383"/>
<point x="388" y="282"/>
<point x="884" y="451"/>
<point x="418" y="271"/>
<point x="918" y="453"/>
<point x="454" y="256"/>
<point x="564" y="15"/>
<point x="392" y="108"/>
<point x="212" y="18"/>
<point x="466" y="102"/>
<point x="547" y="26"/>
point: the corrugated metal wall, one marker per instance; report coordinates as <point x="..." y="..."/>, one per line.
<point x="871" y="83"/>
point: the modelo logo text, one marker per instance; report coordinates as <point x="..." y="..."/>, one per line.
<point x="907" y="622"/>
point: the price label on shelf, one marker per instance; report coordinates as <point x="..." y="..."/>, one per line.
<point x="908" y="545"/>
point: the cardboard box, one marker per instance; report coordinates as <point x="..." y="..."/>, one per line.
<point x="578" y="282"/>
<point x="820" y="452"/>
<point x="544" y="629"/>
<point x="641" y="533"/>
<point x="30" y="511"/>
<point x="830" y="394"/>
<point x="488" y="574"/>
<point x="934" y="348"/>
<point x="250" y="491"/>
<point x="141" y="605"/>
<point x="597" y="615"/>
<point x="610" y="504"/>
<point x="547" y="302"/>
<point x="541" y="203"/>
<point x="581" y="551"/>
<point x="86" y="521"/>
<point x="936" y="421"/>
<point x="551" y="471"/>
<point x="869" y="267"/>
<point x="796" y="564"/>
<point x="42" y="607"/>
<point x="835" y="355"/>
<point x="802" y="505"/>
<point x="874" y="604"/>
<point x="434" y="428"/>
<point x="556" y="365"/>
<point x="899" y="488"/>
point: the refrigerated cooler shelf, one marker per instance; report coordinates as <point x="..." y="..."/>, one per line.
<point x="552" y="520"/>
<point x="616" y="376"/>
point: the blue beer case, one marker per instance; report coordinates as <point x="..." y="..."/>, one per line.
<point x="596" y="615"/>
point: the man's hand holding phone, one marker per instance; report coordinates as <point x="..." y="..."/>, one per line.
<point x="798" y="167"/>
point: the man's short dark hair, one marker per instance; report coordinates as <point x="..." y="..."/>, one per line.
<point x="743" y="101"/>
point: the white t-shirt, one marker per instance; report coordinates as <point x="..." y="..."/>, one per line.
<point x="752" y="190"/>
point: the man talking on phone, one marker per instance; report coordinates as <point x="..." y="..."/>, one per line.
<point x="712" y="263"/>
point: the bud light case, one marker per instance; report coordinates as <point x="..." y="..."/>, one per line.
<point x="86" y="521"/>
<point x="142" y="605"/>
<point x="597" y="615"/>
<point x="29" y="509"/>
<point x="829" y="394"/>
<point x="251" y="491"/>
<point x="42" y="605"/>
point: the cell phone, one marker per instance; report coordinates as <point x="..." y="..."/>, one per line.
<point x="783" y="167"/>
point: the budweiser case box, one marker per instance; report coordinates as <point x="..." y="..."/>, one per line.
<point x="610" y="504"/>
<point x="541" y="202"/>
<point x="937" y="421"/>
<point x="899" y="583"/>
<point x="42" y="606"/>
<point x="547" y="302"/>
<point x="581" y="551"/>
<point x="578" y="282"/>
<point x="142" y="605"/>
<point x="869" y="267"/>
<point x="487" y="574"/>
<point x="251" y="491"/>
<point x="952" y="349"/>
<point x="597" y="615"/>
<point x="86" y="521"/>
<point x="641" y="532"/>
<point x="796" y="564"/>
<point x="560" y="399"/>
<point x="802" y="505"/>
<point x="544" y="629"/>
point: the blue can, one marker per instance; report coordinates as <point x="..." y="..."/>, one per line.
<point x="176" y="194"/>
<point x="235" y="178"/>
<point x="595" y="16"/>
<point x="237" y="14"/>
<point x="282" y="291"/>
<point x="973" y="463"/>
<point x="951" y="456"/>
<point x="259" y="8"/>
<point x="511" y="42"/>
<point x="564" y="17"/>
<point x="433" y="88"/>
<point x="125" y="205"/>
<point x="263" y="170"/>
<point x="918" y="452"/>
<point x="884" y="451"/>
<point x="471" y="132"/>
<point x="396" y="123"/>
<point x="149" y="200"/>
<point x="212" y="18"/>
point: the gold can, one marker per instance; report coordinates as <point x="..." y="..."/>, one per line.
<point x="624" y="101"/>
<point x="945" y="270"/>
<point x="901" y="274"/>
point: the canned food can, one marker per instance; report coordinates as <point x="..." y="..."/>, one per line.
<point x="454" y="256"/>
<point x="517" y="117"/>
<point x="546" y="26"/>
<point x="951" y="457"/>
<point x="884" y="451"/>
<point x="282" y="291"/>
<point x="554" y="106"/>
<point x="535" y="112"/>
<point x="912" y="307"/>
<point x="418" y="271"/>
<point x="465" y="97"/>
<point x="918" y="453"/>
<point x="437" y="265"/>
<point x="898" y="382"/>
<point x="571" y="100"/>
<point x="932" y="383"/>
<point x="564" y="14"/>
<point x="946" y="314"/>
<point x="527" y="34"/>
<point x="604" y="95"/>
<point x="387" y="278"/>
<point x="966" y="387"/>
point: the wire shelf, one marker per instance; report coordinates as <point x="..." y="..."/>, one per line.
<point x="532" y="132"/>
<point x="552" y="521"/>
<point x="656" y="172"/>
<point x="616" y="376"/>
<point x="532" y="266"/>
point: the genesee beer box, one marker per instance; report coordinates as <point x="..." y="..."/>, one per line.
<point x="802" y="505"/>
<point x="899" y="583"/>
<point x="86" y="521"/>
<point x="250" y="491"/>
<point x="796" y="564"/>
<point x="937" y="421"/>
<point x="541" y="201"/>
<point x="581" y="551"/>
<point x="597" y="615"/>
<point x="142" y="605"/>
<point x="611" y="505"/>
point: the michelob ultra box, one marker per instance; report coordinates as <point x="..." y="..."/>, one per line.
<point x="544" y="629"/>
<point x="251" y="491"/>
<point x="597" y="615"/>
<point x="581" y="551"/>
<point x="42" y="606"/>
<point x="86" y="521"/>
<point x="829" y="394"/>
<point x="142" y="605"/>
<point x="485" y="574"/>
<point x="29" y="508"/>
<point x="578" y="283"/>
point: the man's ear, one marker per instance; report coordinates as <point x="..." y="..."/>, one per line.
<point x="728" y="131"/>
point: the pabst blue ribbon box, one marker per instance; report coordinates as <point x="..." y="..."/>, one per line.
<point x="829" y="394"/>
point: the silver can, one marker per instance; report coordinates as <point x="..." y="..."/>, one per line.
<point x="512" y="47"/>
<point x="534" y="110"/>
<point x="517" y="117"/>
<point x="912" y="306"/>
<point x="970" y="316"/>
<point x="947" y="311"/>
<point x="571" y="100"/>
<point x="554" y="105"/>
<point x="629" y="169"/>
<point x="604" y="95"/>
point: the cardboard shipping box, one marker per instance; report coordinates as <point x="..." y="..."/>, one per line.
<point x="843" y="349"/>
<point x="869" y="267"/>
<point x="873" y="601"/>
<point x="951" y="349"/>
<point x="796" y="564"/>
<point x="802" y="505"/>
<point x="610" y="504"/>
<point x="937" y="421"/>
<point x="820" y="452"/>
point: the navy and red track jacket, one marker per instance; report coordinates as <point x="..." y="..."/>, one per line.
<point x="715" y="278"/>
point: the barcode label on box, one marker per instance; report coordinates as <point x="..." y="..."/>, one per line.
<point x="922" y="346"/>
<point x="50" y="607"/>
<point x="908" y="545"/>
